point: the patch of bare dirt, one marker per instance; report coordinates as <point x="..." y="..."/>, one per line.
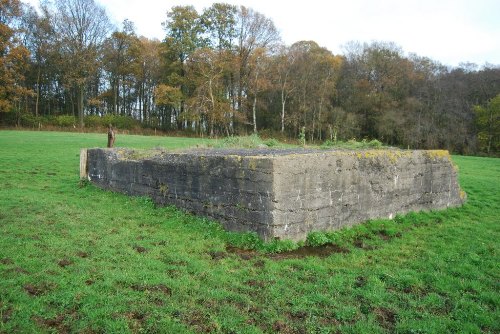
<point x="63" y="263"/>
<point x="82" y="254"/>
<point x="56" y="323"/>
<point x="18" y="270"/>
<point x="360" y="243"/>
<point x="255" y="283"/>
<point x="140" y="249"/>
<point x="360" y="282"/>
<point x="217" y="255"/>
<point x="38" y="290"/>
<point x="6" y="314"/>
<point x="302" y="252"/>
<point x="282" y="328"/>
<point x="245" y="254"/>
<point x="384" y="235"/>
<point x="385" y="317"/>
<point x="136" y="321"/>
<point x="298" y="316"/>
<point x="259" y="264"/>
<point x="199" y="322"/>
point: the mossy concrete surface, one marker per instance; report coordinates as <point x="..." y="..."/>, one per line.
<point x="282" y="194"/>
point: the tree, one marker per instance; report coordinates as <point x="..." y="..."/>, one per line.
<point x="169" y="98"/>
<point x="41" y="44"/>
<point x="255" y="31"/>
<point x="121" y="54"/>
<point x="81" y="27"/>
<point x="184" y="31"/>
<point x="315" y="72"/>
<point x="184" y="35"/>
<point x="283" y="62"/>
<point x="13" y="57"/>
<point x="258" y="81"/>
<point x="149" y="75"/>
<point x="219" y="21"/>
<point x="209" y="106"/>
<point x="488" y="125"/>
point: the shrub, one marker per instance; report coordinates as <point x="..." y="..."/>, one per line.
<point x="352" y="144"/>
<point x="375" y="144"/>
<point x="272" y="142"/>
<point x="247" y="240"/>
<point x="302" y="136"/>
<point x="279" y="246"/>
<point x="29" y="120"/>
<point x="93" y="121"/>
<point x="316" y="239"/>
<point x="64" y="120"/>
<point x="328" y="143"/>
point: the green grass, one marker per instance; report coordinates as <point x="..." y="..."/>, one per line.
<point x="74" y="258"/>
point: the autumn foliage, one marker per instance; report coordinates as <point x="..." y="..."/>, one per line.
<point x="225" y="71"/>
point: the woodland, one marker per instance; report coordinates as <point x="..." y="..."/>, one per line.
<point x="225" y="71"/>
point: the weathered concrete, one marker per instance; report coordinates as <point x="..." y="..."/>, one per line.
<point x="283" y="193"/>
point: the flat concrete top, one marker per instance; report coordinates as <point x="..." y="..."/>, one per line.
<point x="218" y="152"/>
<point x="245" y="152"/>
<point x="270" y="153"/>
<point x="248" y="152"/>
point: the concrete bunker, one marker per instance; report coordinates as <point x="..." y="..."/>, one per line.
<point x="284" y="193"/>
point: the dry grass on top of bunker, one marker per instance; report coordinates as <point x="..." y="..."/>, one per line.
<point x="79" y="259"/>
<point x="255" y="142"/>
<point x="246" y="145"/>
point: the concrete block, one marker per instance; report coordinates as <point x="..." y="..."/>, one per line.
<point x="282" y="193"/>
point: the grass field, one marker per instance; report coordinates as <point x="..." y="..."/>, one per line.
<point x="74" y="258"/>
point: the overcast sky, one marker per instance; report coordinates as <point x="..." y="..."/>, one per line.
<point x="450" y="31"/>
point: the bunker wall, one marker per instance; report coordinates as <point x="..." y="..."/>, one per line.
<point x="231" y="189"/>
<point x="326" y="191"/>
<point x="283" y="194"/>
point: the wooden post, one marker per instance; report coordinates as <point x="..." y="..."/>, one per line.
<point x="83" y="164"/>
<point x="111" y="136"/>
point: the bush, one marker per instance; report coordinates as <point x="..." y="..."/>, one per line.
<point x="328" y="143"/>
<point x="375" y="144"/>
<point x="29" y="120"/>
<point x="316" y="239"/>
<point x="352" y="144"/>
<point x="247" y="240"/>
<point x="93" y="121"/>
<point x="64" y="120"/>
<point x="279" y="246"/>
<point x="272" y="142"/>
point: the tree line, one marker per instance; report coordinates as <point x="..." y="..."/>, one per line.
<point x="225" y="71"/>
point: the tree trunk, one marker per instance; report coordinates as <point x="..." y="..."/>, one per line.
<point x="80" y="104"/>
<point x="37" y="91"/>
<point x="115" y="97"/>
<point x="254" y="113"/>
<point x="283" y="101"/>
<point x="212" y="102"/>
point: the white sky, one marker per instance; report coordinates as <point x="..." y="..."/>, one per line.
<point x="450" y="31"/>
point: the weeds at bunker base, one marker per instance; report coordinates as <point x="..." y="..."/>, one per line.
<point x="286" y="193"/>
